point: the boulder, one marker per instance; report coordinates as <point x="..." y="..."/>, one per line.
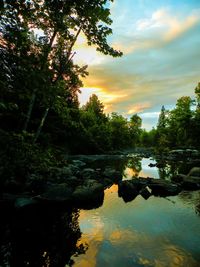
<point x="23" y="202"/>
<point x="140" y="182"/>
<point x="112" y="174"/>
<point x="195" y="171"/>
<point x="57" y="193"/>
<point x="152" y="165"/>
<point x="145" y="192"/>
<point x="89" y="173"/>
<point x="191" y="181"/>
<point x="73" y="181"/>
<point x="127" y="190"/>
<point x="88" y="195"/>
<point x="163" y="188"/>
<point x="78" y="163"/>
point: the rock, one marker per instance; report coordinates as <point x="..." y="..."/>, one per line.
<point x="78" y="163"/>
<point x="73" y="181"/>
<point x="107" y="183"/>
<point x="140" y="182"/>
<point x="177" y="179"/>
<point x="24" y="202"/>
<point x="152" y="165"/>
<point x="195" y="171"/>
<point x="163" y="188"/>
<point x="113" y="175"/>
<point x="89" y="195"/>
<point x="57" y="193"/>
<point x="127" y="190"/>
<point x="191" y="181"/>
<point x="89" y="173"/>
<point x="145" y="192"/>
<point x="75" y="169"/>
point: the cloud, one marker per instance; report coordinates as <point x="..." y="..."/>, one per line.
<point x="160" y="63"/>
<point x="85" y="54"/>
<point x="139" y="108"/>
<point x="160" y="28"/>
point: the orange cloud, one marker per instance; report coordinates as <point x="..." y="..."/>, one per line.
<point x="107" y="98"/>
<point x="139" y="108"/>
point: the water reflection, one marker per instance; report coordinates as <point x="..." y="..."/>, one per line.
<point x="156" y="232"/>
<point x="136" y="166"/>
<point x="39" y="237"/>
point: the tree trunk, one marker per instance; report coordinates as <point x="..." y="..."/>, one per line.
<point x="33" y="97"/>
<point x="30" y="108"/>
<point x="41" y="124"/>
<point x="47" y="109"/>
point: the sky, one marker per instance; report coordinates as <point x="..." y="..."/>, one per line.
<point x="160" y="40"/>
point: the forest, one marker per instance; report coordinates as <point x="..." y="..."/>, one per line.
<point x="40" y="115"/>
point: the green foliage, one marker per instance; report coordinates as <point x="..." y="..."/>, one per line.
<point x="135" y="129"/>
<point x="39" y="82"/>
<point x="120" y="134"/>
<point x="19" y="158"/>
<point x="37" y="70"/>
<point x="179" y="127"/>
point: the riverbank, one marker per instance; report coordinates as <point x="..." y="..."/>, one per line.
<point x="80" y="185"/>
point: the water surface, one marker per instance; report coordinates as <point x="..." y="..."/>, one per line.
<point x="155" y="232"/>
<point x="160" y="232"/>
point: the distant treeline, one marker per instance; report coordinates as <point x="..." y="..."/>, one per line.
<point x="179" y="127"/>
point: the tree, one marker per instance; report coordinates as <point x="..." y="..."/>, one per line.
<point x="135" y="128"/>
<point x="162" y="130"/>
<point x="96" y="107"/>
<point x="95" y="125"/>
<point x="49" y="55"/>
<point x="196" y="118"/>
<point x="180" y="120"/>
<point x="162" y="120"/>
<point x="120" y="134"/>
<point x="197" y="93"/>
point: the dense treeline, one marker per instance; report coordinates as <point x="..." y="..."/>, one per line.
<point x="40" y="114"/>
<point x="177" y="128"/>
<point x="39" y="85"/>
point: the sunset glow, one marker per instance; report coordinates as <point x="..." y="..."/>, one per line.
<point x="160" y="41"/>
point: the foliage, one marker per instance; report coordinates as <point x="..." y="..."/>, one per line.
<point x="179" y="127"/>
<point x="39" y="81"/>
<point x="19" y="158"/>
<point x="135" y="128"/>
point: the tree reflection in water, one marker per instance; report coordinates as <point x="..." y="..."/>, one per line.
<point x="48" y="236"/>
<point x="40" y="237"/>
<point x="135" y="164"/>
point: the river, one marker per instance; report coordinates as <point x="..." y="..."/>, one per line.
<point x="154" y="232"/>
